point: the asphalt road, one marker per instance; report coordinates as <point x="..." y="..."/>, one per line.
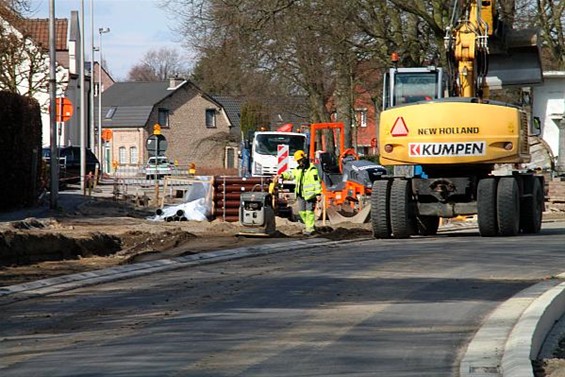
<point x="368" y="308"/>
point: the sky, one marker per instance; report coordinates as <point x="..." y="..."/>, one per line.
<point x="136" y="26"/>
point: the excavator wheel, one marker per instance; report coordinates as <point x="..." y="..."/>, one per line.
<point x="380" y="208"/>
<point x="401" y="216"/>
<point x="427" y="225"/>
<point x="508" y="206"/>
<point x="531" y="211"/>
<point x="486" y="207"/>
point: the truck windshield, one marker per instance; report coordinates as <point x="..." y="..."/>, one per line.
<point x="267" y="143"/>
<point x="414" y="87"/>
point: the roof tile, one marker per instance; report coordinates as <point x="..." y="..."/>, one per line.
<point x="38" y="29"/>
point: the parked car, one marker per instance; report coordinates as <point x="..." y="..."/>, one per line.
<point x="158" y="167"/>
<point x="69" y="163"/>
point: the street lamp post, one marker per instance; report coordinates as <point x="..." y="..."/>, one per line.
<point x="92" y="123"/>
<point x="101" y="149"/>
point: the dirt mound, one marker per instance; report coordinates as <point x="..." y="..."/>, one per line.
<point x="102" y="232"/>
<point x="341" y="233"/>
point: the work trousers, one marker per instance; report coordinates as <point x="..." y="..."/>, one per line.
<point x="306" y="212"/>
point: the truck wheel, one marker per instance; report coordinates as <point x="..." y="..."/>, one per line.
<point x="531" y="211"/>
<point x="508" y="206"/>
<point x="401" y="218"/>
<point x="380" y="208"/>
<point x="486" y="207"/>
<point x="427" y="225"/>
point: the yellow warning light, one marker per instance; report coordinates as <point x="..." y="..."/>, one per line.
<point x="192" y="169"/>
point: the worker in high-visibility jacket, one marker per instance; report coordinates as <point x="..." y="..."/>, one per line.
<point x="308" y="189"/>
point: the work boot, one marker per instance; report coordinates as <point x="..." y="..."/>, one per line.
<point x="308" y="232"/>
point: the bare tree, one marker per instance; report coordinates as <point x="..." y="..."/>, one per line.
<point x="18" y="7"/>
<point x="159" y="64"/>
<point x="24" y="66"/>
<point x="551" y="20"/>
<point x="315" y="48"/>
<point x="282" y="45"/>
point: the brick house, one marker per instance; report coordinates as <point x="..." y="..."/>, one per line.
<point x="199" y="128"/>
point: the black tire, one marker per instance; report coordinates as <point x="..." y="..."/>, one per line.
<point x="486" y="207"/>
<point x="401" y="217"/>
<point x="531" y="211"/>
<point x="427" y="225"/>
<point x="380" y="208"/>
<point x="508" y="206"/>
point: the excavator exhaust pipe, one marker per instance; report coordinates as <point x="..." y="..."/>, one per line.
<point x="517" y="63"/>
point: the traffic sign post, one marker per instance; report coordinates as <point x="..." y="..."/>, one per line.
<point x="156" y="146"/>
<point x="63" y="112"/>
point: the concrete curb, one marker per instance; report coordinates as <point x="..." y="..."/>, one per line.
<point x="20" y="292"/>
<point x="512" y="336"/>
<point x="529" y="334"/>
<point x="486" y="350"/>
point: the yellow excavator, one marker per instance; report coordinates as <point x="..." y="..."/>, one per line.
<point x="454" y="151"/>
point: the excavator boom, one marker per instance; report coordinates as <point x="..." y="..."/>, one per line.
<point x="489" y="54"/>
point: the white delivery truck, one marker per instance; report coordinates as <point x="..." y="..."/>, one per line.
<point x="264" y="151"/>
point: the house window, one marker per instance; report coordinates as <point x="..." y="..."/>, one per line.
<point x="361" y="117"/>
<point x="133" y="156"/>
<point x="122" y="156"/>
<point x="210" y="118"/>
<point x="163" y="118"/>
<point x="230" y="157"/>
<point x="111" y="112"/>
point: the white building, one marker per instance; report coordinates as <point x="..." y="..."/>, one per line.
<point x="549" y="106"/>
<point x="32" y="73"/>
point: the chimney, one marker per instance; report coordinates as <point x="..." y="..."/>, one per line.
<point x="174" y="82"/>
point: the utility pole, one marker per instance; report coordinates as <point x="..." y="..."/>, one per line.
<point x="82" y="120"/>
<point x="54" y="161"/>
<point x="561" y="151"/>
<point x="103" y="166"/>
<point x="94" y="137"/>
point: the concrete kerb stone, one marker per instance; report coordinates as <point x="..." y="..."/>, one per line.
<point x="514" y="333"/>
<point x="42" y="287"/>
<point x="489" y="346"/>
<point x="528" y="335"/>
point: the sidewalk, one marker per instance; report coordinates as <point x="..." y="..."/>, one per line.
<point x="68" y="200"/>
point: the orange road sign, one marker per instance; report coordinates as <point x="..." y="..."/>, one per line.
<point x="63" y="109"/>
<point x="106" y="135"/>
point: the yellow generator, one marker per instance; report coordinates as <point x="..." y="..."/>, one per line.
<point x="453" y="145"/>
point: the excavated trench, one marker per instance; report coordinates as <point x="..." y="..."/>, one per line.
<point x="29" y="242"/>
<point x="17" y="249"/>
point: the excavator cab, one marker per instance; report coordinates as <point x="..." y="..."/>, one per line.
<point x="409" y="85"/>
